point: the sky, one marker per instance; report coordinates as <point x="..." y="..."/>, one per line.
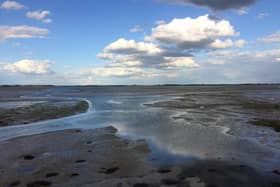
<point x="105" y="42"/>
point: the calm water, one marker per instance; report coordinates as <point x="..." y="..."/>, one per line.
<point x="171" y="140"/>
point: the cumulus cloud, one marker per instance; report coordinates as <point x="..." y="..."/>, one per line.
<point x="130" y="53"/>
<point x="11" y="5"/>
<point x="192" y="33"/>
<point x="275" y="37"/>
<point x="159" y="22"/>
<point x="116" y="71"/>
<point x="175" y="62"/>
<point x="131" y="46"/>
<point x="171" y="47"/>
<point x="220" y="44"/>
<point x="40" y="15"/>
<point x="27" y="66"/>
<point x="23" y="32"/>
<point x="216" y="4"/>
<point x="120" y="60"/>
<point x="137" y="28"/>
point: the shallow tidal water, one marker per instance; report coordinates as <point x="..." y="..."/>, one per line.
<point x="172" y="140"/>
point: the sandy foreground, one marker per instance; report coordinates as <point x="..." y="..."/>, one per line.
<point x="100" y="158"/>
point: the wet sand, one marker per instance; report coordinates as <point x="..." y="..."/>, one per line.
<point x="77" y="158"/>
<point x="22" y="105"/>
<point x="19" y="111"/>
<point x="201" y="107"/>
<point x="100" y="158"/>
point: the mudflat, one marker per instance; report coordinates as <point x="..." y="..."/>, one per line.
<point x="77" y="158"/>
<point x="211" y="130"/>
<point x="100" y="158"/>
<point x="19" y="106"/>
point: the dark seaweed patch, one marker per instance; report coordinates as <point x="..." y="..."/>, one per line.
<point x="28" y="157"/>
<point x="164" y="170"/>
<point x="169" y="181"/>
<point x="109" y="170"/>
<point x="48" y="175"/>
<point x="80" y="161"/>
<point x="277" y="172"/>
<point x="141" y="185"/>
<point x="275" y="124"/>
<point x="89" y="142"/>
<point x="74" y="174"/>
<point x="15" y="183"/>
<point x="39" y="184"/>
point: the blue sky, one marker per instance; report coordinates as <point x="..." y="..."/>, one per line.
<point x="139" y="41"/>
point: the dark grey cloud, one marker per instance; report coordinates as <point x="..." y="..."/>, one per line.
<point x="176" y="52"/>
<point x="217" y="4"/>
<point x="202" y="44"/>
<point x="214" y="17"/>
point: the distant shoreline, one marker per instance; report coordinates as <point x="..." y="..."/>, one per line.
<point x="140" y="85"/>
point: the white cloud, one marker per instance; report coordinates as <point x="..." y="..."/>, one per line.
<point x="229" y="56"/>
<point x="131" y="46"/>
<point x="262" y="15"/>
<point x="275" y="37"/>
<point x="105" y="56"/>
<point x="168" y="52"/>
<point x="132" y="62"/>
<point x="240" y="43"/>
<point x="120" y="59"/>
<point x="191" y="33"/>
<point x="40" y="15"/>
<point x="219" y="44"/>
<point x="129" y="53"/>
<point x="160" y="22"/>
<point x="23" y="31"/>
<point x="242" y="11"/>
<point x="216" y="62"/>
<point x="11" y="5"/>
<point x="137" y="28"/>
<point x="116" y="71"/>
<point x="257" y="66"/>
<point x="177" y="62"/>
<point x="29" y="67"/>
<point x="167" y="48"/>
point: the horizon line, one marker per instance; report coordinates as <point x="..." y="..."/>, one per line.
<point x="124" y="85"/>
